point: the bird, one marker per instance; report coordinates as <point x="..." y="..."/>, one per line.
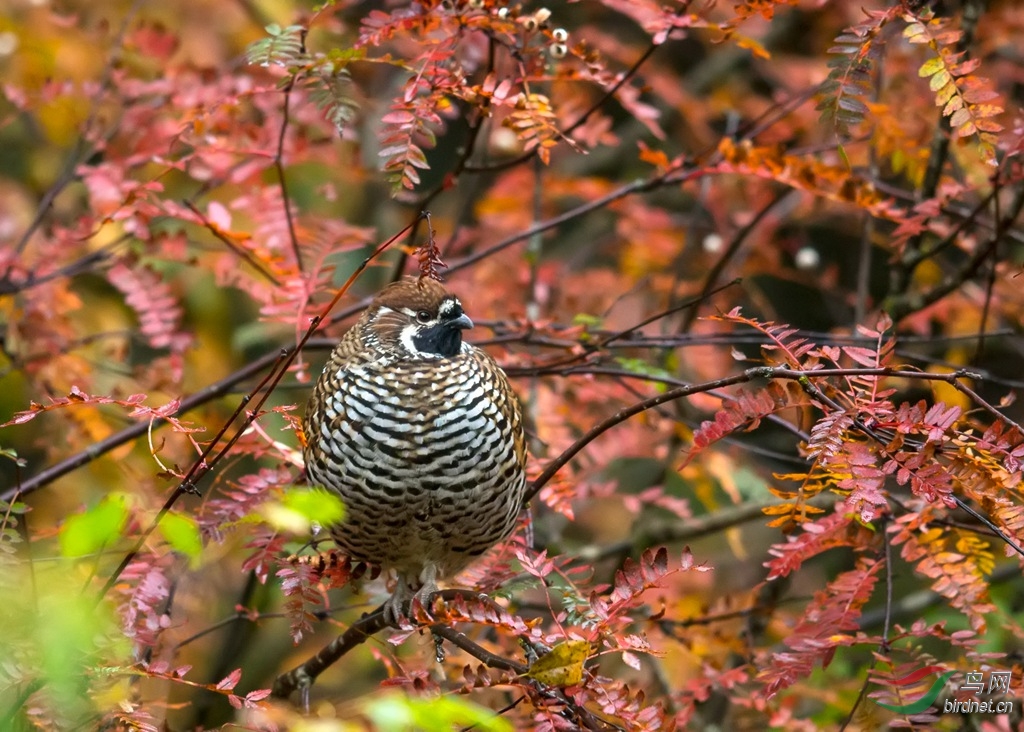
<point x="421" y="435"/>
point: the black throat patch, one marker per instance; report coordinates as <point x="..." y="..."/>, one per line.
<point x="441" y="339"/>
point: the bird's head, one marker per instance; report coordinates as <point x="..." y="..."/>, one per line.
<point x="417" y="318"/>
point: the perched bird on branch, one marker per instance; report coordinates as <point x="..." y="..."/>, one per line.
<point x="422" y="437"/>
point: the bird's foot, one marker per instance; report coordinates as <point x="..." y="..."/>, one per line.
<point x="425" y="598"/>
<point x="395" y="609"/>
<point x="399" y="607"/>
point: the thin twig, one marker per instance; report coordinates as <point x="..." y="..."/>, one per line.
<point x="202" y="466"/>
<point x="583" y="117"/>
<point x="196" y="399"/>
<point x="82" y="148"/>
<point x="767" y="372"/>
<point x="903" y="270"/>
<point x="479" y="652"/>
<point x="711" y="278"/>
<point x="621" y="416"/>
<point x="1002" y="223"/>
<point x="301" y="677"/>
<point x="692" y="529"/>
<point x="282" y="179"/>
<point x="640" y="186"/>
<point x="822" y="398"/>
<point x="243" y="254"/>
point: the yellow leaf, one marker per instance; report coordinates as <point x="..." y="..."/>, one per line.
<point x="781" y="509"/>
<point x="988" y="110"/>
<point x="753" y="45"/>
<point x="946" y="94"/>
<point x="946" y="392"/>
<point x="939" y="80"/>
<point x="966" y="129"/>
<point x="61" y="118"/>
<point x="932" y="66"/>
<point x="914" y="31"/>
<point x="562" y="665"/>
<point x="955" y="103"/>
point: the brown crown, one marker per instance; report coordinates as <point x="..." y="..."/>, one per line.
<point x="413" y="293"/>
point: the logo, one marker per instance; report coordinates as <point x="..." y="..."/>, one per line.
<point x="999" y="683"/>
<point x="929" y="696"/>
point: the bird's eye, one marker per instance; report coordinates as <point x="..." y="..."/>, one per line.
<point x="424" y="316"/>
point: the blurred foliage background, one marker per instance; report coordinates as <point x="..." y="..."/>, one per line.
<point x="166" y="228"/>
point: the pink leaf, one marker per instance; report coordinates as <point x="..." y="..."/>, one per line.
<point x="219" y="216"/>
<point x="230" y="681"/>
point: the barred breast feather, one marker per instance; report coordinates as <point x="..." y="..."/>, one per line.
<point x="421" y="436"/>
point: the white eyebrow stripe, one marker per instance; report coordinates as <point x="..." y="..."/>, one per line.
<point x="449" y="306"/>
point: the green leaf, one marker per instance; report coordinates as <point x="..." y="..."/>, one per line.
<point x="283" y="47"/>
<point x="644" y="368"/>
<point x="316" y="504"/>
<point x="182" y="533"/>
<point x="397" y="712"/>
<point x="300" y="507"/>
<point x="588" y="320"/>
<point x="88" y="532"/>
<point x="12" y="454"/>
<point x="17" y="508"/>
<point x="844" y="157"/>
<point x="69" y="635"/>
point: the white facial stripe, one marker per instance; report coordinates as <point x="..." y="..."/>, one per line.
<point x="415" y="315"/>
<point x="448" y="307"/>
<point x="406" y="338"/>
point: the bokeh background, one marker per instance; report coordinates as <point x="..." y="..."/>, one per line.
<point x="174" y="211"/>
